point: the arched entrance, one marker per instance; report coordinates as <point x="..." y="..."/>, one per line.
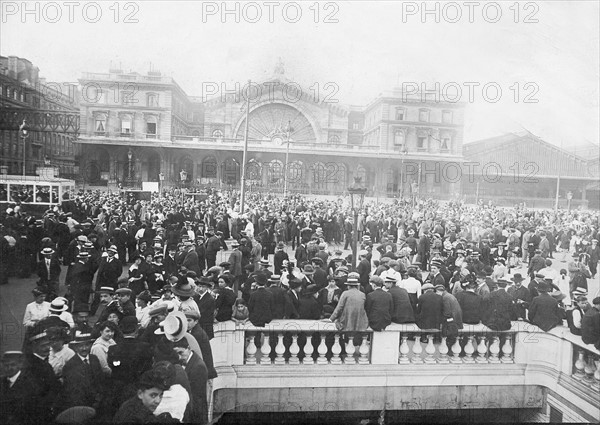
<point x="269" y="123"/>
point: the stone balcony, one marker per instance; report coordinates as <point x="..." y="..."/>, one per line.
<point x="295" y="366"/>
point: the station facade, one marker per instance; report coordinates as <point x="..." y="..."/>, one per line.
<point x="151" y="128"/>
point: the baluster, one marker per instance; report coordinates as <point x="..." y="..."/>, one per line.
<point x="322" y="350"/>
<point x="430" y="350"/>
<point x="364" y="350"/>
<point x="294" y="350"/>
<point x="596" y="385"/>
<point x="350" y="349"/>
<point x="336" y="349"/>
<point x="456" y="350"/>
<point x="280" y="350"/>
<point x="481" y="350"/>
<point x="308" y="350"/>
<point x="265" y="349"/>
<point x="507" y="351"/>
<point x="417" y="349"/>
<point x="250" y="350"/>
<point x="589" y="370"/>
<point x="404" y="349"/>
<point x="443" y="349"/>
<point x="494" y="350"/>
<point x="469" y="350"/>
<point x="579" y="366"/>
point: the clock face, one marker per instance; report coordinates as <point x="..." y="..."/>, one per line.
<point x="277" y="140"/>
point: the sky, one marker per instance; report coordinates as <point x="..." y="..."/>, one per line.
<point x="538" y="61"/>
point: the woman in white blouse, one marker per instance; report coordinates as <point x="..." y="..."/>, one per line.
<point x="101" y="345"/>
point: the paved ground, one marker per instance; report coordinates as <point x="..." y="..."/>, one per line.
<point x="17" y="294"/>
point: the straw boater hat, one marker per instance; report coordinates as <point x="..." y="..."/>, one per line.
<point x="47" y="251"/>
<point x="58" y="305"/>
<point x="174" y="327"/>
<point x="352" y="282"/>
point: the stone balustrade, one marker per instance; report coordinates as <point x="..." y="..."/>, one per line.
<point x="517" y="368"/>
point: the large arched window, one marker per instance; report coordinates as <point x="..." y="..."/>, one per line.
<point x="275" y="172"/>
<point x="99" y="124"/>
<point x="253" y="170"/>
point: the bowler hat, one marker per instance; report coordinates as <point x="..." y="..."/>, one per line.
<point x="183" y="290"/>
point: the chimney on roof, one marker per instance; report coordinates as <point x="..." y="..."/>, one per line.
<point x="13" y="66"/>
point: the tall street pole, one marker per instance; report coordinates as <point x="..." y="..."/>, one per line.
<point x="355" y="240"/>
<point x="243" y="189"/>
<point x="287" y="158"/>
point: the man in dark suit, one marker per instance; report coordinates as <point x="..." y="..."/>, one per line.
<point x="292" y="299"/>
<point x="49" y="386"/>
<point x="19" y="392"/>
<point x="501" y="306"/>
<point x="429" y="308"/>
<point x="195" y="369"/>
<point x="79" y="280"/>
<point x="279" y="297"/>
<point x="213" y="245"/>
<point x="521" y="298"/>
<point x="82" y="374"/>
<point x="309" y="308"/>
<point x="436" y="277"/>
<point x="170" y="263"/>
<point x="379" y="305"/>
<point x="109" y="271"/>
<point x="402" y="311"/>
<point x="544" y="310"/>
<point x="470" y="303"/>
<point x="590" y="324"/>
<point x="260" y="304"/>
<point x="279" y="257"/>
<point x="320" y="275"/>
<point x="190" y="260"/>
<point x="206" y="304"/>
<point x="128" y="360"/>
<point x="48" y="270"/>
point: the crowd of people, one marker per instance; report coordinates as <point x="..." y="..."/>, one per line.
<point x="128" y="293"/>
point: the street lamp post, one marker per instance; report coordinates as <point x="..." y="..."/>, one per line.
<point x="183" y="176"/>
<point x="403" y="155"/>
<point x="24" y="133"/>
<point x="288" y="131"/>
<point x="129" y="158"/>
<point x="357" y="197"/>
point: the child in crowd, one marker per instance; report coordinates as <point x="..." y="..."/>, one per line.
<point x="240" y="311"/>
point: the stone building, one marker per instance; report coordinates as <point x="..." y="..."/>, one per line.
<point x="135" y="128"/>
<point x="21" y="89"/>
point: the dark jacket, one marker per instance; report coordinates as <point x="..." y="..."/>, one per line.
<point x="198" y="377"/>
<point x="279" y="300"/>
<point x="429" y="311"/>
<point x="379" y="307"/>
<point x="402" y="311"/>
<point x="292" y="304"/>
<point x="260" y="307"/>
<point x="109" y="273"/>
<point x="309" y="308"/>
<point x="545" y="312"/>
<point x="590" y="327"/>
<point x="42" y="271"/>
<point x="83" y="384"/>
<point x="224" y="304"/>
<point x="471" y="305"/>
<point x="500" y="306"/>
<point x="22" y="403"/>
<point x="206" y="304"/>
